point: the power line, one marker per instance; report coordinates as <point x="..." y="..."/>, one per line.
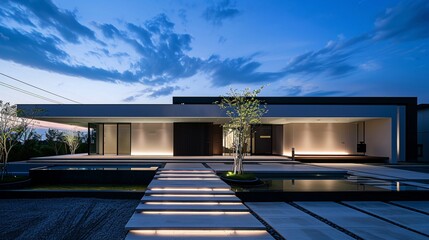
<point x="71" y="100"/>
<point x="28" y="93"/>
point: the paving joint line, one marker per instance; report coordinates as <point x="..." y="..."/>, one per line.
<point x="408" y="208"/>
<point x="268" y="227"/>
<point x="384" y="219"/>
<point x="326" y="221"/>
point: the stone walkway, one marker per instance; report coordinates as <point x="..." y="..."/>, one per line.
<point x="400" y="220"/>
<point x="189" y="201"/>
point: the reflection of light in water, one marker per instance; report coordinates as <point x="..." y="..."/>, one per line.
<point x="398" y="186"/>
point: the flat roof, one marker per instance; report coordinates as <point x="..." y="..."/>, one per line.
<point x="309" y="100"/>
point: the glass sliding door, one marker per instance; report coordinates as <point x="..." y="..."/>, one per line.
<point x="124" y="139"/>
<point x="111" y="138"/>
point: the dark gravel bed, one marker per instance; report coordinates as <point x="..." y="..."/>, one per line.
<point x="65" y="218"/>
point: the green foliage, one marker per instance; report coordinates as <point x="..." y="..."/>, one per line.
<point x="243" y="176"/>
<point x="13" y="131"/>
<point x="55" y="138"/>
<point x="73" y="140"/>
<point x="243" y="110"/>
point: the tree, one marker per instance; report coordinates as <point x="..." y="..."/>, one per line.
<point x="13" y="130"/>
<point x="243" y="110"/>
<point x="72" y="139"/>
<point x="54" y="137"/>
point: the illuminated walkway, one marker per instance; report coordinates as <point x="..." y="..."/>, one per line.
<point x="189" y="201"/>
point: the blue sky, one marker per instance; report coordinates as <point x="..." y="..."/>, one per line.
<point x="147" y="51"/>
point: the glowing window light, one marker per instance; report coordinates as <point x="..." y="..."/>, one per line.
<point x="190" y="189"/>
<point x="194" y="203"/>
<point x="199" y="232"/>
<point x="192" y="213"/>
<point x="192" y="195"/>
<point x="190" y="179"/>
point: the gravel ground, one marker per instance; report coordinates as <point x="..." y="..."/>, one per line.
<point x="64" y="218"/>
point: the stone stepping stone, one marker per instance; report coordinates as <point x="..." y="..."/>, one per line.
<point x="186" y="183"/>
<point x="208" y="171"/>
<point x="196" y="198"/>
<point x="189" y="178"/>
<point x="186" y="175"/>
<point x="196" y="206"/>
<point x="187" y="191"/>
<point x="199" y="235"/>
<point x="184" y="166"/>
<point x="194" y="221"/>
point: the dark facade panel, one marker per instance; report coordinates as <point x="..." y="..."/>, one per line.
<point x="217" y="139"/>
<point x="263" y="140"/>
<point x="193" y="139"/>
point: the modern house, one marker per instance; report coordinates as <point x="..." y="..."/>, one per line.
<point x="191" y="126"/>
<point x="423" y="132"/>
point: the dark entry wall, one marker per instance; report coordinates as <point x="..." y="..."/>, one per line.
<point x="262" y="140"/>
<point x="193" y="139"/>
<point x="217" y="139"/>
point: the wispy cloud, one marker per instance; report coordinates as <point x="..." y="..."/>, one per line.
<point x="152" y="93"/>
<point x="408" y="21"/>
<point x="238" y="70"/>
<point x="46" y="14"/>
<point x="217" y="13"/>
<point x="40" y="35"/>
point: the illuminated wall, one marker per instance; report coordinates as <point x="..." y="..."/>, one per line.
<point x="110" y="139"/>
<point x="378" y="137"/>
<point x="151" y="139"/>
<point x="319" y="138"/>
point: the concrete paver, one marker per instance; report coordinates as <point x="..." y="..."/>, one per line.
<point x="422" y="206"/>
<point x="188" y="184"/>
<point x="292" y="223"/>
<point x="402" y="216"/>
<point x="194" y="220"/>
<point x="199" y="235"/>
<point x="375" y="171"/>
<point x="191" y="198"/>
<point x="361" y="224"/>
<point x="199" y="206"/>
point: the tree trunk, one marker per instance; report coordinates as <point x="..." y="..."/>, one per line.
<point x="238" y="158"/>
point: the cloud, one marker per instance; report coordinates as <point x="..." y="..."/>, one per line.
<point x="164" y="91"/>
<point x="40" y="35"/>
<point x="38" y="51"/>
<point x="218" y="13"/>
<point x="238" y="70"/>
<point x="183" y="16"/>
<point x="330" y="60"/>
<point x="370" y="66"/>
<point x="49" y="16"/>
<point x="306" y="90"/>
<point x="152" y="93"/>
<point x="322" y="93"/>
<point x="408" y="21"/>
